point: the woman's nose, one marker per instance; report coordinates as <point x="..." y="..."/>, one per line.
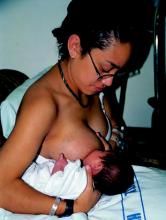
<point x="107" y="81"/>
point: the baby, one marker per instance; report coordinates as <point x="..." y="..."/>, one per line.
<point x="112" y="174"/>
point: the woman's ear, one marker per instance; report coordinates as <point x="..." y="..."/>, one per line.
<point x="74" y="46"/>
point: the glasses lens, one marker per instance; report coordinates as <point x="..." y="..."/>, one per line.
<point x="117" y="75"/>
<point x="105" y="77"/>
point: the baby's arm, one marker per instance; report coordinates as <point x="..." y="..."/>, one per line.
<point x="59" y="164"/>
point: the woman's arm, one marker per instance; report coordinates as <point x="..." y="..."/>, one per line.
<point x="33" y="123"/>
<point x="116" y="119"/>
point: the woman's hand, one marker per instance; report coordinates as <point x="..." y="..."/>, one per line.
<point x="88" y="197"/>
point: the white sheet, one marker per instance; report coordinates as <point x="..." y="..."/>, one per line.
<point x="145" y="200"/>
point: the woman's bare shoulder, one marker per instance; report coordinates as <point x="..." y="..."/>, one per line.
<point x="40" y="93"/>
<point x="38" y="105"/>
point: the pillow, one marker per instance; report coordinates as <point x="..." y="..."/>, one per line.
<point x="10" y="105"/>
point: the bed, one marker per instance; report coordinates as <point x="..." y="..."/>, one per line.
<point x="144" y="200"/>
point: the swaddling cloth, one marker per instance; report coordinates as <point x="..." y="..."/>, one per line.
<point x="68" y="184"/>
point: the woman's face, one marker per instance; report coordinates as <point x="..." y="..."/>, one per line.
<point x="97" y="63"/>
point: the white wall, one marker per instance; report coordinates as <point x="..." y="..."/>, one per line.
<point x="140" y="87"/>
<point x="27" y="44"/>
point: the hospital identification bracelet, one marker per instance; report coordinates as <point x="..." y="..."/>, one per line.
<point x="54" y="206"/>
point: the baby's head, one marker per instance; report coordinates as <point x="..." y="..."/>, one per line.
<point x="112" y="173"/>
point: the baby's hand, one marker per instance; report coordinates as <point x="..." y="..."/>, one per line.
<point x="59" y="164"/>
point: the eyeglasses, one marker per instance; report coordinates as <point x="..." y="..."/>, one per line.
<point x="105" y="75"/>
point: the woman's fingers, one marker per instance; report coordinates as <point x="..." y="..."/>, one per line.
<point x="88" y="197"/>
<point x="90" y="185"/>
<point x="89" y="177"/>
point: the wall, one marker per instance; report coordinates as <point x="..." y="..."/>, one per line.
<point x="140" y="87"/>
<point x="27" y="44"/>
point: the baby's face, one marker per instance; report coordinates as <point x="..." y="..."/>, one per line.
<point x="94" y="161"/>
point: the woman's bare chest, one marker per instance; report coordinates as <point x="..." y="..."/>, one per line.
<point x="74" y="134"/>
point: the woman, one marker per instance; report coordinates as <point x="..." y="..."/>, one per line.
<point x="62" y="111"/>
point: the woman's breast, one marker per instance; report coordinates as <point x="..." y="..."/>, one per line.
<point x="74" y="135"/>
<point x="75" y="143"/>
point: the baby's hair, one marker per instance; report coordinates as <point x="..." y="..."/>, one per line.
<point x="116" y="176"/>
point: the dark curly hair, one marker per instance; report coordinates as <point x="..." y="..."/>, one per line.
<point x="97" y="22"/>
<point x="116" y="176"/>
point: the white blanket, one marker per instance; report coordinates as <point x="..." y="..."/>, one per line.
<point x="145" y="200"/>
<point x="67" y="184"/>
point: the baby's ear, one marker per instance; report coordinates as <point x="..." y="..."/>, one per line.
<point x="96" y="168"/>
